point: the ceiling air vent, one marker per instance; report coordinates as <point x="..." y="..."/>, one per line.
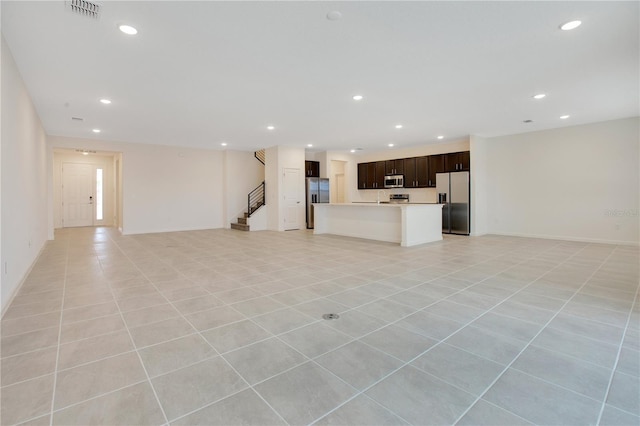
<point x="84" y="8"/>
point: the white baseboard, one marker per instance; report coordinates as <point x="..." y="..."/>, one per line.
<point x="15" y="291"/>
<point x="567" y="238"/>
<point x="159" y="231"/>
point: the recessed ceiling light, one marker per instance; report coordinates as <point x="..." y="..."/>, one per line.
<point x="96" y="130"/>
<point x="223" y="144"/>
<point x="390" y="145"/>
<point x="105" y="101"/>
<point x="334" y="15"/>
<point x="570" y="25"/>
<point x="440" y="137"/>
<point x="128" y="29"/>
<point x="564" y="117"/>
<point x="85" y="153"/>
<point x="309" y="145"/>
<point x="270" y="127"/>
<point x="358" y="97"/>
<point x="539" y="96"/>
<point x="398" y="126"/>
<point x="352" y="151"/>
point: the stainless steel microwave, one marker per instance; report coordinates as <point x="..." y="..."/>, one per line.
<point x="394" y="181"/>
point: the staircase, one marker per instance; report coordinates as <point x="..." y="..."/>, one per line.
<point x="255" y="200"/>
<point x="260" y="155"/>
<point x="242" y="224"/>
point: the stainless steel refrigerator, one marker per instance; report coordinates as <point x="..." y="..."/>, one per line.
<point x="454" y="192"/>
<point x="317" y="192"/>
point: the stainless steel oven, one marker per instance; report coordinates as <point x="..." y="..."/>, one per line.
<point x="394" y="181"/>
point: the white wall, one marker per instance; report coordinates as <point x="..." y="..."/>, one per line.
<point x="578" y="183"/>
<point x="271" y="178"/>
<point x="242" y="173"/>
<point x="117" y="166"/>
<point x="106" y="162"/>
<point x="23" y="178"/>
<point x="479" y="185"/>
<point x="163" y="188"/>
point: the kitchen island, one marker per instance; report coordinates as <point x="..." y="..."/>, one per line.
<point x="406" y="224"/>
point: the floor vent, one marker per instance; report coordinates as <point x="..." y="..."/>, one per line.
<point x="330" y="316"/>
<point x="84" y="8"/>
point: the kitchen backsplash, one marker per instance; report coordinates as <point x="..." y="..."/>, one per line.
<point x="418" y="195"/>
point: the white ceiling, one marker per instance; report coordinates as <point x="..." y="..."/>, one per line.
<point x="199" y="73"/>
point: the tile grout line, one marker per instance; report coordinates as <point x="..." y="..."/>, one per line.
<point x="408" y="363"/>
<point x="487" y="310"/>
<point x="353" y="339"/>
<point x="144" y="368"/>
<point x="74" y="404"/>
<point x="201" y="336"/>
<point x="615" y="365"/>
<point x="540" y="331"/>
<point x="55" y="371"/>
<point x="292" y="306"/>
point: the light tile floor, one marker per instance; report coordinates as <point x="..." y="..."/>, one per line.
<point x="225" y="327"/>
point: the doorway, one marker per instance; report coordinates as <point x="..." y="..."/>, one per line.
<point x="291" y="186"/>
<point x="85" y="189"/>
<point x="338" y="192"/>
<point x="340" y="188"/>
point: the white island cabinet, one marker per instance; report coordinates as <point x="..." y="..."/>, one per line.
<point x="406" y="224"/>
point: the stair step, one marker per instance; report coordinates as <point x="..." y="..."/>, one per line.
<point x="240" y="226"/>
<point x="242" y="220"/>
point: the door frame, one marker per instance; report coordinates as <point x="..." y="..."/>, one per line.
<point x="298" y="200"/>
<point x="104" y="160"/>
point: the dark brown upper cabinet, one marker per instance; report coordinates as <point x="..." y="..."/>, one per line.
<point x="409" y="168"/>
<point x="371" y="175"/>
<point x="457" y="161"/>
<point x="419" y="172"/>
<point x="422" y="172"/>
<point x="312" y="168"/>
<point x="362" y="176"/>
<point x="437" y="164"/>
<point x="394" y="167"/>
<point x="416" y="172"/>
<point x="380" y="172"/>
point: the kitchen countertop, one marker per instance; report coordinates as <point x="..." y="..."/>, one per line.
<point x="382" y="202"/>
<point x="408" y="224"/>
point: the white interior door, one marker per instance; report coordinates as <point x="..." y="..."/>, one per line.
<point x="340" y="188"/>
<point x="77" y="195"/>
<point x="291" y="185"/>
